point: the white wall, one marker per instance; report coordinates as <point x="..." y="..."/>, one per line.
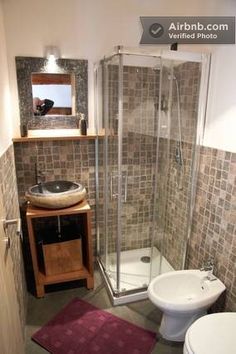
<point x="5" y="104"/>
<point x="89" y="29"/>
<point x="220" y="129"/>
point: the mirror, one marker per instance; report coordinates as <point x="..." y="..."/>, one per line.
<point x="57" y="90"/>
<point x="68" y="78"/>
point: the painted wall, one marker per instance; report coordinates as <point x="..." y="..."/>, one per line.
<point x="5" y="105"/>
<point x="220" y="129"/>
<point x="89" y="29"/>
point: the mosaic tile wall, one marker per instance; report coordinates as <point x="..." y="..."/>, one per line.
<point x="173" y="197"/>
<point x="8" y="193"/>
<point x="53" y="122"/>
<point x="57" y="160"/>
<point x="214" y="220"/>
<point x="187" y="83"/>
<point x="214" y="217"/>
<point x="101" y="198"/>
<point x="185" y="90"/>
<point x="140" y="100"/>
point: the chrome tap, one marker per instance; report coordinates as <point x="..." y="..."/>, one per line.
<point x="38" y="174"/>
<point x="38" y="177"/>
<point x="209" y="267"/>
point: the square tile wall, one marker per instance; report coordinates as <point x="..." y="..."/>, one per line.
<point x="173" y="199"/>
<point x="8" y="194"/>
<point x="214" y="219"/>
<point x="57" y="160"/>
<point x="213" y="230"/>
<point x="53" y="122"/>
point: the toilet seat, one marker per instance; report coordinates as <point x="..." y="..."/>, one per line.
<point x="212" y="334"/>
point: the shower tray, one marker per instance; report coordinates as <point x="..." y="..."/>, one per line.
<point x="134" y="273"/>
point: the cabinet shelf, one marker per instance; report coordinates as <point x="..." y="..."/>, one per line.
<point x="64" y="277"/>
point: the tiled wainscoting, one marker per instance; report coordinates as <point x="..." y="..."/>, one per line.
<point x="213" y="229"/>
<point x="57" y="160"/>
<point x="173" y="199"/>
<point x="214" y="219"/>
<point x="53" y="122"/>
<point x="8" y="193"/>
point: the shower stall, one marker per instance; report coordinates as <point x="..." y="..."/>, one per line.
<point x="150" y="111"/>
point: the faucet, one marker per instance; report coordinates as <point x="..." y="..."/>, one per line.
<point x="209" y="267"/>
<point x="38" y="177"/>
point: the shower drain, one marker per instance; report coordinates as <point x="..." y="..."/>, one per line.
<point x="145" y="259"/>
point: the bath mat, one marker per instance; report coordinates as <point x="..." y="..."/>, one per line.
<point x="81" y="328"/>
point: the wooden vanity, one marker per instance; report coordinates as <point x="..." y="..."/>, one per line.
<point x="62" y="261"/>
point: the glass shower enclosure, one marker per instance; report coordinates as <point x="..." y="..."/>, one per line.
<point x="150" y="111"/>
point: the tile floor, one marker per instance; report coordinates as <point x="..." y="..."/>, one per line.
<point x="141" y="313"/>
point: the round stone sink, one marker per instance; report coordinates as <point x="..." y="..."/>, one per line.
<point x="55" y="194"/>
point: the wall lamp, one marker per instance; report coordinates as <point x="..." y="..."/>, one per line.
<point x="52" y="53"/>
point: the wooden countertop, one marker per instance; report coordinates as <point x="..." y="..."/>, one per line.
<point x="35" y="212"/>
<point x="38" y="136"/>
<point x="50" y="138"/>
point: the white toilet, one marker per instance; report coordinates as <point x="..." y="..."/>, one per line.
<point x="183" y="296"/>
<point x="212" y="334"/>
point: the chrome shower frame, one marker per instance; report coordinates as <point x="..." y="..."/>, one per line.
<point x="117" y="296"/>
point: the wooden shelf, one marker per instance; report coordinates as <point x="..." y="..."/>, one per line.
<point x="61" y="278"/>
<point x="53" y="138"/>
<point x="85" y="270"/>
<point x="59" y="137"/>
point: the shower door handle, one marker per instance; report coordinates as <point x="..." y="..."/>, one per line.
<point x="124" y="180"/>
<point x="112" y="194"/>
<point x="125" y="189"/>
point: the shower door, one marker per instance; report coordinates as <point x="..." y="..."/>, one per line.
<point x="180" y="131"/>
<point x="138" y="141"/>
<point x="151" y="124"/>
<point x="126" y="165"/>
<point x="107" y="79"/>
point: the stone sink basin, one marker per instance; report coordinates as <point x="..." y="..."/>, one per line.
<point x="55" y="194"/>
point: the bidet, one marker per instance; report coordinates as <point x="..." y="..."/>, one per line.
<point x="183" y="296"/>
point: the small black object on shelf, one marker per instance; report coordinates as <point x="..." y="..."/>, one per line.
<point x="23" y="130"/>
<point x="83" y="125"/>
<point x="174" y="46"/>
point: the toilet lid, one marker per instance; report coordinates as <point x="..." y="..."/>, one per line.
<point x="213" y="334"/>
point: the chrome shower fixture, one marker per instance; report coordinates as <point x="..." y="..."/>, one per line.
<point x="178" y="154"/>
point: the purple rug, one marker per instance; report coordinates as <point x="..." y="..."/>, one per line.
<point x="82" y="328"/>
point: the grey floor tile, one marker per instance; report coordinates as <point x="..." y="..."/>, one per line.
<point x="141" y="313"/>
